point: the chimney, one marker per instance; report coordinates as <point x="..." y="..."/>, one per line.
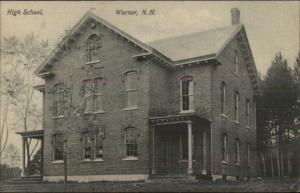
<point x="235" y="16"/>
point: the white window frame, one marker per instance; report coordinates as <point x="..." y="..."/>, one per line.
<point x="96" y="46"/>
<point x="84" y="135"/>
<point x="236" y="106"/>
<point x="101" y="138"/>
<point x="128" y="90"/>
<point x="223" y="97"/>
<point x="58" y="100"/>
<point x="236" y="61"/>
<point x="86" y="96"/>
<point x="248" y="154"/>
<point x="224" y="146"/>
<point x="54" y="148"/>
<point x="248" y="112"/>
<point x="98" y="94"/>
<point x="237" y="151"/>
<point x="189" y="95"/>
<point x="130" y="157"/>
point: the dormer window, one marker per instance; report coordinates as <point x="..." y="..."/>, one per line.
<point x="93" y="46"/>
<point x="236" y="61"/>
<point x="186" y="93"/>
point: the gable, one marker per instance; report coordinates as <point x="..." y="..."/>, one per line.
<point x="88" y="19"/>
<point x="242" y="45"/>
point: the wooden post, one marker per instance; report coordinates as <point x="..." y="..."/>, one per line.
<point x="153" y="150"/>
<point x="23" y="157"/>
<point x="190" y="156"/>
<point x="204" y="152"/>
<point x="65" y="161"/>
<point x="42" y="156"/>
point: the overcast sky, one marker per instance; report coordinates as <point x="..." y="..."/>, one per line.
<point x="271" y="26"/>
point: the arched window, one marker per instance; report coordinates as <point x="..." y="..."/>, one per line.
<point x="237" y="151"/>
<point x="130" y="142"/>
<point x="224" y="147"/>
<point x="93" y="45"/>
<point x="248" y="112"/>
<point x="223" y="97"/>
<point x="236" y="106"/>
<point x="186" y="93"/>
<point x="236" y="61"/>
<point x="131" y="89"/>
<point x="58" y="99"/>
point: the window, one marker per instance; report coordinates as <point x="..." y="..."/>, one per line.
<point x="58" y="94"/>
<point x="58" y="147"/>
<point x="223" y="97"/>
<point x="187" y="93"/>
<point x="98" y="94"/>
<point x="99" y="145"/>
<point x="236" y="61"/>
<point x="204" y="141"/>
<point x="237" y="151"/>
<point x="248" y="112"/>
<point x="248" y="154"/>
<point x="87" y="146"/>
<point x="88" y="95"/>
<point x="93" y="145"/>
<point x="130" y="135"/>
<point x="236" y="106"/>
<point x="131" y="88"/>
<point x="93" y="45"/>
<point x="224" y="148"/>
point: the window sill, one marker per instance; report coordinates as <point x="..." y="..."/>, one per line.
<point x="91" y="161"/>
<point x="188" y="111"/>
<point x="92" y="62"/>
<point x="224" y="162"/>
<point x="59" y="117"/>
<point x="237" y="122"/>
<point x="129" y="108"/>
<point x="185" y="160"/>
<point x="91" y="112"/>
<point x="235" y="73"/>
<point x="58" y="162"/>
<point x="247" y="127"/>
<point x="223" y="116"/>
<point x="238" y="164"/>
<point x="130" y="158"/>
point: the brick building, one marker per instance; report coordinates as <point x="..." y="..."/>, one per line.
<point x="127" y="110"/>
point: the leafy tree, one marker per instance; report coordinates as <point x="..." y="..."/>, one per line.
<point x="278" y="109"/>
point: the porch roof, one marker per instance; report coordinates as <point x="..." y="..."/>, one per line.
<point x="177" y="118"/>
<point x="37" y="134"/>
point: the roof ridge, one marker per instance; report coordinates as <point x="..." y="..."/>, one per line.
<point x="193" y="33"/>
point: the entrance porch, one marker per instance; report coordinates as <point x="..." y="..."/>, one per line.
<point x="32" y="153"/>
<point x="180" y="145"/>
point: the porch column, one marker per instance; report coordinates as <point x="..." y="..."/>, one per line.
<point x="153" y="150"/>
<point x="190" y="156"/>
<point x="23" y="157"/>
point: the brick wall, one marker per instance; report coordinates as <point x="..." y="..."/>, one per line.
<point x="115" y="58"/>
<point x="241" y="82"/>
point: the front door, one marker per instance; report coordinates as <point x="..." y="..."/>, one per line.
<point x="168" y="155"/>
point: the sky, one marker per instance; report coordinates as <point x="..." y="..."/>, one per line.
<point x="271" y="26"/>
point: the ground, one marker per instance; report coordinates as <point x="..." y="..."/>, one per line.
<point x="264" y="185"/>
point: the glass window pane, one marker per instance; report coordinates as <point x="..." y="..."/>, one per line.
<point x="58" y="147"/>
<point x="98" y="86"/>
<point x="131" y="98"/>
<point x="98" y="102"/>
<point x="131" y="81"/>
<point x="131" y="141"/>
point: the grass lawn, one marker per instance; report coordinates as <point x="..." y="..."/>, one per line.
<point x="265" y="185"/>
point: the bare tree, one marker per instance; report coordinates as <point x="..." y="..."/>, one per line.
<point x="21" y="57"/>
